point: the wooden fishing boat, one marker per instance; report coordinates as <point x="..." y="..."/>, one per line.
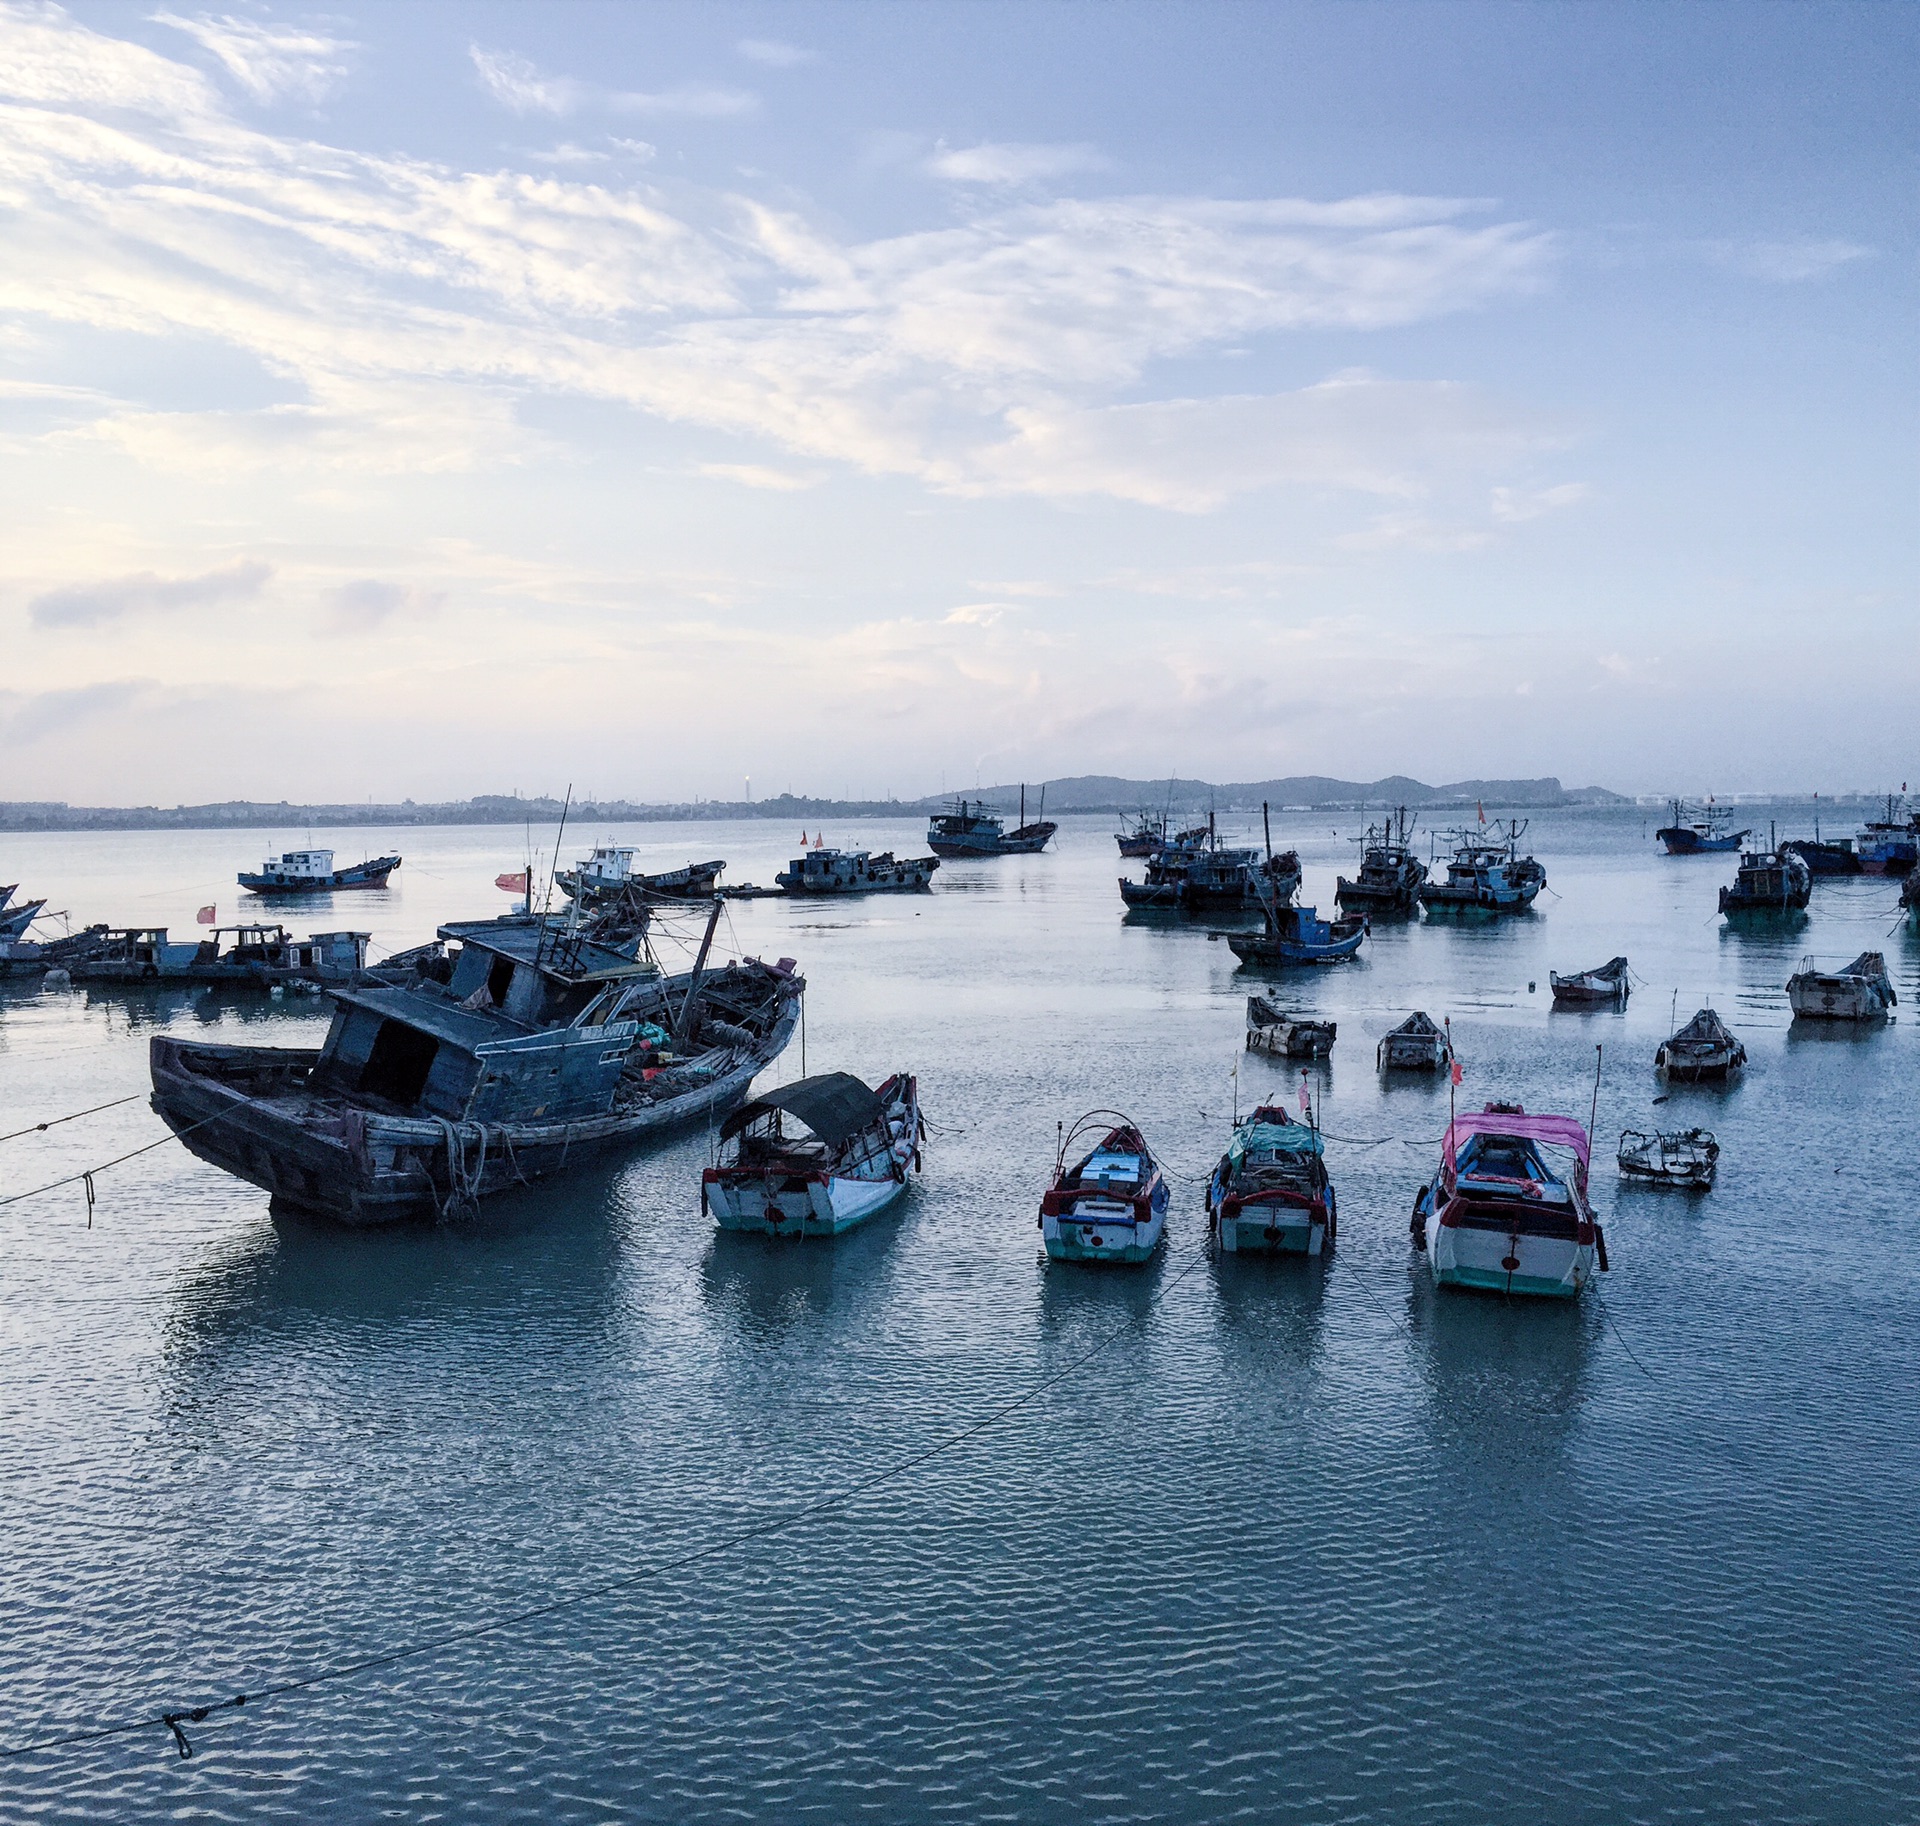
<point x="1142" y="835"/>
<point x="1825" y="855"/>
<point x="972" y="830"/>
<point x="1298" y="935"/>
<point x="312" y="872"/>
<point x="609" y="873"/>
<point x="1686" y="1159"/>
<point x="1501" y="1216"/>
<point x="1196" y="873"/>
<point x="256" y="956"/>
<point x="1768" y="881"/>
<point x="1391" y="875"/>
<point x="506" y="1051"/>
<point x="1487" y="874"/>
<point x="1605" y="987"/>
<point x="1418" y="1044"/>
<point x="16" y="918"/>
<point x="1271" y="1030"/>
<point x="1703" y="1051"/>
<point x="1699" y="831"/>
<point x="1109" y="1204"/>
<point x="824" y="871"/>
<point x="1859" y="991"/>
<point x="32" y="957"/>
<point x="1270" y="1191"/>
<point x="1890" y="844"/>
<point x="816" y="1157"/>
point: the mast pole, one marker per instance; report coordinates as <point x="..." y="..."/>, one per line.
<point x="684" y="1024"/>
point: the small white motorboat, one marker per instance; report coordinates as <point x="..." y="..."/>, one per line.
<point x="1684" y="1158"/>
<point x="815" y="1158"/>
<point x="1861" y="991"/>
<point x="1110" y="1204"/>
<point x="1270" y="1191"/>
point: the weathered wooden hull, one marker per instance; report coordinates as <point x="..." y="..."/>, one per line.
<point x="259" y="1122"/>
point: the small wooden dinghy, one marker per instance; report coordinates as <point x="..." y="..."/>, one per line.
<point x="1416" y="1045"/>
<point x="1703" y="1051"/>
<point x="847" y="1161"/>
<point x="1109" y="1204"/>
<point x="1270" y="1191"/>
<point x="1606" y="987"/>
<point x="1862" y="991"/>
<point x="1280" y="1035"/>
<point x="1687" y="1158"/>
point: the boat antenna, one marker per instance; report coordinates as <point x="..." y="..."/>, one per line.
<point x="566" y="807"/>
<point x="1059" y="1145"/>
<point x="1593" y="1113"/>
<point x="1023" y="803"/>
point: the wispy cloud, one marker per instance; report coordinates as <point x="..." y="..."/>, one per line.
<point x="762" y="475"/>
<point x="773" y="52"/>
<point x="517" y="84"/>
<point x="1789" y="262"/>
<point x="514" y="83"/>
<point x="1011" y="165"/>
<point x="93" y="605"/>
<point x="1512" y="505"/>
<point x="268" y="60"/>
<point x="369" y="602"/>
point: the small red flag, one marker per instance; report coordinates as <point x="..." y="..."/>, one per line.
<point x="1306" y="1103"/>
<point x="1482" y="805"/>
<point x="1456" y="1071"/>
<point x="514" y="884"/>
<point x="208" y="916"/>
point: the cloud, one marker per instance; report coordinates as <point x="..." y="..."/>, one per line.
<point x="1513" y="505"/>
<point x="367" y="602"/>
<point x="517" y="84"/>
<point x="760" y="475"/>
<point x="514" y="83"/>
<point x="1788" y="262"/>
<point x="31" y="716"/>
<point x="95" y="604"/>
<point x="1012" y="165"/>
<point x="773" y="53"/>
<point x="268" y="61"/>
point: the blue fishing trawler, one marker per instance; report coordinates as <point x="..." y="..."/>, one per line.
<point x="971" y="830"/>
<point x="1390" y="876"/>
<point x="312" y="872"/>
<point x="1487" y="873"/>
<point x="1699" y="830"/>
<point x="1298" y="935"/>
<point x="502" y="1053"/>
<point x="1890" y="844"/>
<point x="14" y="920"/>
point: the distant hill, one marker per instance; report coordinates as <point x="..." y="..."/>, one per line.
<point x="1082" y="793"/>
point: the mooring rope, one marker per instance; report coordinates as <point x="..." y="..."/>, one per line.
<point x="53" y="1122"/>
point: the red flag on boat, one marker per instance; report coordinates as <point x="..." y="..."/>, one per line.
<point x="1481" y="804"/>
<point x="514" y="884"/>
<point x="208" y="916"/>
<point x="1456" y="1071"/>
<point x="1306" y="1102"/>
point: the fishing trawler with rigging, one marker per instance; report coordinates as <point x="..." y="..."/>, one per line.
<point x="1487" y="873"/>
<point x="970" y="829"/>
<point x="1390" y="876"/>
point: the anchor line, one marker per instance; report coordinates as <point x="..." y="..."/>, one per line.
<point x="87" y="1173"/>
<point x="173" y="1720"/>
<point x="53" y="1122"/>
<point x="1607" y="1313"/>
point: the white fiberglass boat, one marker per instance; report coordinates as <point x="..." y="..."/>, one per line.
<point x="1110" y="1205"/>
<point x="816" y="1157"/>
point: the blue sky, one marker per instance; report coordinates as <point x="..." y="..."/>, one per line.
<point x="424" y="400"/>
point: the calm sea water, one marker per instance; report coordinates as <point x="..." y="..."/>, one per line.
<point x="1306" y="1542"/>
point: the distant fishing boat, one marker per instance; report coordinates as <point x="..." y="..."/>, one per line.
<point x="1197" y="873"/>
<point x="1825" y="855"/>
<point x="31" y="957"/>
<point x="1487" y="873"/>
<point x="1141" y="835"/>
<point x="1686" y="1159"/>
<point x="824" y="871"/>
<point x="1703" y="1051"/>
<point x="1279" y="1035"/>
<point x="1270" y="1193"/>
<point x="847" y="1162"/>
<point x="1859" y="991"/>
<point x="14" y="920"/>
<point x="502" y="1053"/>
<point x="1699" y="831"/>
<point x="1418" y="1044"/>
<point x="1768" y="881"/>
<point x="609" y="873"/>
<point x="972" y="830"/>
<point x="1109" y="1204"/>
<point x="1390" y="874"/>
<point x="1890" y="844"/>
<point x="312" y="872"/>
<point x="1605" y="987"/>
<point x="1298" y="935"/>
<point x="1500" y="1217"/>
<point x="256" y="956"/>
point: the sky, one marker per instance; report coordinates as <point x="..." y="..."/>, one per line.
<point x="683" y="401"/>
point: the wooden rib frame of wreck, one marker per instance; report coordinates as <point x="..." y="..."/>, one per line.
<point x="508" y="1051"/>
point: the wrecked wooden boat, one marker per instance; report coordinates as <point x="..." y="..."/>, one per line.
<point x="970" y="829"/>
<point x="1606" y="987"/>
<point x="608" y="873"/>
<point x="1271" y="1030"/>
<point x="503" y="1053"/>
<point x="1487" y="874"/>
<point x="1503" y="1214"/>
<point x="312" y="872"/>
<point x="32" y="957"/>
<point x="256" y="956"/>
<point x="1699" y="831"/>
<point x="1859" y="991"/>
<point x="1768" y="881"/>
<point x="1270" y="1193"/>
<point x="1109" y="1204"/>
<point x="1704" y="1051"/>
<point x="1391" y="875"/>
<point x="816" y="1157"/>
<point x="1418" y="1044"/>
<point x="824" y="871"/>
<point x="1685" y="1159"/>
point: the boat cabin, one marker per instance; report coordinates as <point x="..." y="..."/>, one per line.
<point x="299" y="865"/>
<point x="535" y="1021"/>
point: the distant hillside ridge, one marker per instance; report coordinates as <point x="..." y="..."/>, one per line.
<point x="1082" y="793"/>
